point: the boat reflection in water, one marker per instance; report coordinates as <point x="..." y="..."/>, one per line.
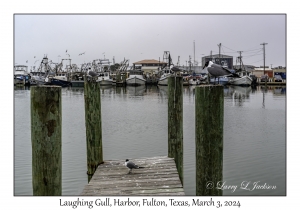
<point x="279" y="90"/>
<point x="136" y="90"/>
<point x="238" y="94"/>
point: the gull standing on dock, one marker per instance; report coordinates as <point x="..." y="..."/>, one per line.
<point x="218" y="71"/>
<point x="131" y="165"/>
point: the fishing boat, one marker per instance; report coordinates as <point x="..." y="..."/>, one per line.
<point x="194" y="81"/>
<point x="59" y="76"/>
<point x="244" y="80"/>
<point x="60" y="79"/>
<point x="21" y="76"/>
<point x="135" y="78"/>
<point x="163" y="80"/>
<point x="186" y="79"/>
<point x="37" y="78"/>
<point x="198" y="79"/>
<point x="39" y="75"/>
<point x="104" y="79"/>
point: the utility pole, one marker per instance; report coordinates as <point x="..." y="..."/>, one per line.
<point x="264" y="55"/>
<point x="219" y="45"/>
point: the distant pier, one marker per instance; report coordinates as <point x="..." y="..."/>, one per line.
<point x="159" y="177"/>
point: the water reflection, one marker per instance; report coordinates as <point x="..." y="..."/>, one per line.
<point x="136" y="90"/>
<point x="240" y="94"/>
<point x="279" y="90"/>
<point x="163" y="93"/>
<point x="17" y="87"/>
<point x="76" y="90"/>
<point x="254" y="137"/>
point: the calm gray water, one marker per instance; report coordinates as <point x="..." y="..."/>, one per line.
<point x="254" y="136"/>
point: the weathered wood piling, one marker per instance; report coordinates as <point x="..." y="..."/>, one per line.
<point x="175" y="122"/>
<point x="46" y="134"/>
<point x="209" y="114"/>
<point x="92" y="99"/>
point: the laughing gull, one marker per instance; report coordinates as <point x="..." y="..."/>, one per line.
<point x="131" y="165"/>
<point x="218" y="71"/>
<point x="93" y="75"/>
<point x="175" y="68"/>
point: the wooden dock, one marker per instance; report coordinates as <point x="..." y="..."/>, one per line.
<point x="159" y="177"/>
<point x="272" y="83"/>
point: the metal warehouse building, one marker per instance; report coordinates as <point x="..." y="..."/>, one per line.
<point x="219" y="59"/>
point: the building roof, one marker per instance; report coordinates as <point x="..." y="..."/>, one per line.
<point x="21" y="66"/>
<point x="217" y="56"/>
<point x="150" y="61"/>
<point x="261" y="69"/>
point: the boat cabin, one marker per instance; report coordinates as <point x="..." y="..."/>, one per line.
<point x="21" y="70"/>
<point x="135" y="72"/>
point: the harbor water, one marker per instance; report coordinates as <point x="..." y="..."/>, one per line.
<point x="135" y="125"/>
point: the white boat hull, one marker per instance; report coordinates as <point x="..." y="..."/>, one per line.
<point x="135" y="80"/>
<point x="37" y="80"/>
<point x="243" y="81"/>
<point x="104" y="80"/>
<point x="164" y="80"/>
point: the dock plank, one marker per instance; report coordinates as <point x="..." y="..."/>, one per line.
<point x="158" y="177"/>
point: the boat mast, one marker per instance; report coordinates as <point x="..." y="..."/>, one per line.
<point x="264" y="56"/>
<point x="194" y="53"/>
<point x="219" y="45"/>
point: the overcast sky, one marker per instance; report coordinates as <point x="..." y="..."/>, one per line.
<point x="138" y="37"/>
